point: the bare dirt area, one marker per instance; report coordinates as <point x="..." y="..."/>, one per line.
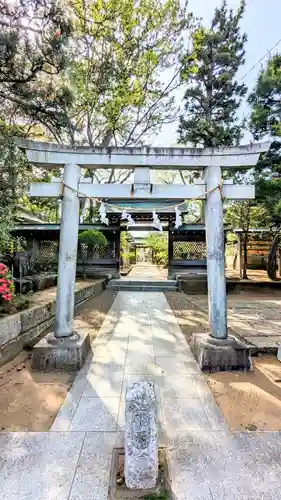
<point x="30" y="400"/>
<point x="250" y="401"/>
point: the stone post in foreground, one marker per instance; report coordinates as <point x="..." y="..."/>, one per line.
<point x="141" y="451"/>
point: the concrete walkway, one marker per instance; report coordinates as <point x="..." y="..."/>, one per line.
<point x="140" y="340"/>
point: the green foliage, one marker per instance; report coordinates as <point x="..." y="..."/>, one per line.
<point x="128" y="257"/>
<point x="18" y="303"/>
<point x="121" y="48"/>
<point x="125" y="239"/>
<point x="158" y="242"/>
<point x="212" y="93"/>
<point x="163" y="495"/>
<point x="231" y="238"/>
<point x="14" y="177"/>
<point x="125" y="248"/>
<point x="265" y="120"/>
<point x="244" y="215"/>
<point x="266" y="101"/>
<point x="92" y="238"/>
<point x="33" y="39"/>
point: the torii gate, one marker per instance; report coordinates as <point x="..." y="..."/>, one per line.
<point x="212" y="189"/>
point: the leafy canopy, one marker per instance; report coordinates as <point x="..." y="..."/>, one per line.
<point x="15" y="173"/>
<point x="121" y="49"/>
<point x="246" y="215"/>
<point x="33" y="39"/>
<point x="265" y="101"/>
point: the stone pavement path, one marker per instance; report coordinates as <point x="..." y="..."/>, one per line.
<point x="146" y="271"/>
<point x="140" y="340"/>
<point x="255" y="318"/>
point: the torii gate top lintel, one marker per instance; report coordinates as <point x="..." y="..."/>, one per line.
<point x="55" y="155"/>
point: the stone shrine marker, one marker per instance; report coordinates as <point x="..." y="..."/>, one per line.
<point x="141" y="450"/>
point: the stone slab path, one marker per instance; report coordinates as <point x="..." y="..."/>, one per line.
<point x="146" y="271"/>
<point x="140" y="340"/>
<point x="255" y="318"/>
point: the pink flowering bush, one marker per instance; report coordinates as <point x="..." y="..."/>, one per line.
<point x="6" y="285"/>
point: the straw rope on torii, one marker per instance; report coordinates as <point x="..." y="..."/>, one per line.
<point x="126" y="216"/>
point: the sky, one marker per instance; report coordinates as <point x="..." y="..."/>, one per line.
<point x="262" y="23"/>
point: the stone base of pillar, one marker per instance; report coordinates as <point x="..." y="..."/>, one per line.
<point x="65" y="354"/>
<point x="215" y="355"/>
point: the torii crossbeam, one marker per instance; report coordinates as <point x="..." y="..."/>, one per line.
<point x="212" y="189"/>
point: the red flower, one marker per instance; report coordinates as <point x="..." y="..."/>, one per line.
<point x="7" y="296"/>
<point x="6" y="285"/>
<point x="3" y="269"/>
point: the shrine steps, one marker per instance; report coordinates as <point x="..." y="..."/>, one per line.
<point x="143" y="285"/>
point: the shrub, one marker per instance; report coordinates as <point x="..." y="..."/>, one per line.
<point x="92" y="238"/>
<point x="18" y="303"/>
<point x="6" y="285"/>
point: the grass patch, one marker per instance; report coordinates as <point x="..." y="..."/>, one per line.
<point x="159" y="496"/>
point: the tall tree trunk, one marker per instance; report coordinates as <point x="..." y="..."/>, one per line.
<point x="271" y="260"/>
<point x="245" y="257"/>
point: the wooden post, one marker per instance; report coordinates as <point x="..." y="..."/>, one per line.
<point x="170" y="251"/>
<point x="117" y="252"/>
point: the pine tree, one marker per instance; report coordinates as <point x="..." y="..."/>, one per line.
<point x="33" y="39"/>
<point x="213" y="94"/>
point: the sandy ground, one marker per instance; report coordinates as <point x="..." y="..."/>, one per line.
<point x="253" y="274"/>
<point x="248" y="401"/>
<point x="30" y="400"/>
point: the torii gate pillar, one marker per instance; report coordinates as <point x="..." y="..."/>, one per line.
<point x="69" y="226"/>
<point x="215" y="253"/>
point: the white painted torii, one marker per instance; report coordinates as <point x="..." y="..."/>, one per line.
<point x="141" y="160"/>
